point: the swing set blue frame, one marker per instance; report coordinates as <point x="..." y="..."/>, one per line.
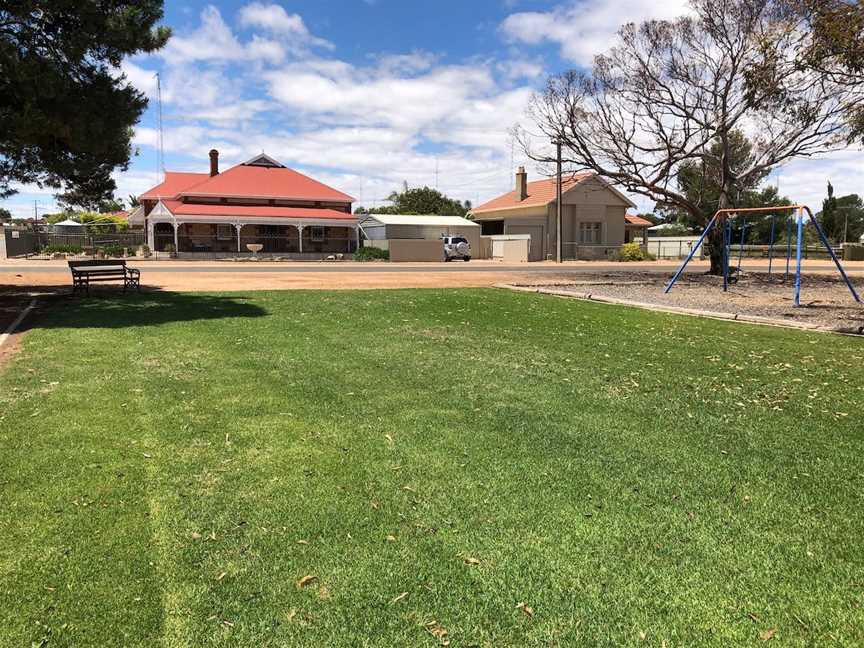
<point x="722" y="218"/>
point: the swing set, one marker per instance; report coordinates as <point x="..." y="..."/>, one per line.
<point x="722" y="218"/>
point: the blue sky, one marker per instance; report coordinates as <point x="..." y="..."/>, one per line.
<point x="366" y="94"/>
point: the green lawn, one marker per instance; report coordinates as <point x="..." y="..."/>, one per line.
<point x="172" y="465"/>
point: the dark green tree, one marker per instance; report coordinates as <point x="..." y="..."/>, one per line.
<point x="842" y="218"/>
<point x="422" y="200"/>
<point x="66" y="111"/>
<point x="700" y="184"/>
<point x="110" y="206"/>
<point x="5" y="215"/>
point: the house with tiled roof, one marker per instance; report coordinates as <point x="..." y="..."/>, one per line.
<point x="593" y="219"/>
<point x="260" y="201"/>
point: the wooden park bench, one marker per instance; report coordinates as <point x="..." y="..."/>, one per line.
<point x="84" y="272"/>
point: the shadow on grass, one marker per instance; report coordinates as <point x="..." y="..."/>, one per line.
<point x="150" y="308"/>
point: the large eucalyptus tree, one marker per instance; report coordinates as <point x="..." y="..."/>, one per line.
<point x="671" y="94"/>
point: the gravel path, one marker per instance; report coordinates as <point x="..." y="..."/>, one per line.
<point x="825" y="300"/>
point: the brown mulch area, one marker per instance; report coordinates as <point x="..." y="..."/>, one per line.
<point x="825" y="299"/>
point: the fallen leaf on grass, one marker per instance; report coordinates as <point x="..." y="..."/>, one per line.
<point x="196" y="535"/>
<point x="768" y="634"/>
<point x="471" y="561"/>
<point x="438" y="631"/>
<point x="303" y="542"/>
<point x="391" y="538"/>
<point x="221" y="576"/>
<point x="399" y="598"/>
<point x="529" y="611"/>
<point x="306" y="580"/>
<point x="389" y="438"/>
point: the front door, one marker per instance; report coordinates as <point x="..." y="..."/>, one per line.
<point x="536" y="250"/>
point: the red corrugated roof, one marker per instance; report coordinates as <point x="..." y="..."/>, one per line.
<point x="252" y="181"/>
<point x="173" y="184"/>
<point x="637" y="221"/>
<point x="540" y="192"/>
<point x="179" y="208"/>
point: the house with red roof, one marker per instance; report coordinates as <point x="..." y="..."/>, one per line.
<point x="593" y="219"/>
<point x="260" y="201"/>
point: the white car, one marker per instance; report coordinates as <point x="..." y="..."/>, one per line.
<point x="456" y="247"/>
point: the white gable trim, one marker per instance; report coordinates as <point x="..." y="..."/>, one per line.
<point x="262" y="159"/>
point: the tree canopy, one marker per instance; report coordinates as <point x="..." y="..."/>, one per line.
<point x="669" y="97"/>
<point x="421" y="200"/>
<point x="700" y="184"/>
<point x="837" y="48"/>
<point x="842" y="218"/>
<point x="66" y="110"/>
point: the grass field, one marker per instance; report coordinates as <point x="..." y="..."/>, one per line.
<point x="412" y="468"/>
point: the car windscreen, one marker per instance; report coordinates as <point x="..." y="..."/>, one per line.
<point x="458" y="239"/>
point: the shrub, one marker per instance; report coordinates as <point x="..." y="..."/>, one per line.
<point x="62" y="249"/>
<point x="633" y="252"/>
<point x="144" y="250"/>
<point x="170" y="249"/>
<point x="371" y="254"/>
<point x="113" y="250"/>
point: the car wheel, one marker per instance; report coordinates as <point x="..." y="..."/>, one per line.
<point x="466" y="258"/>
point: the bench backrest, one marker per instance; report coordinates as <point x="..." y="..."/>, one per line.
<point x="119" y="263"/>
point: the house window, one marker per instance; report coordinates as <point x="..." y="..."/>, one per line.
<point x="590" y="233"/>
<point x="224" y="232"/>
<point x="317" y="234"/>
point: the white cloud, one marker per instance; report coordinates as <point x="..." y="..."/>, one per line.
<point x="585" y="28"/>
<point x="140" y="78"/>
<point x="274" y="18"/>
<point x="214" y="40"/>
<point x="373" y="97"/>
<point x="517" y="69"/>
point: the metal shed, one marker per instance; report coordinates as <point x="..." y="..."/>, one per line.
<point x="381" y="227"/>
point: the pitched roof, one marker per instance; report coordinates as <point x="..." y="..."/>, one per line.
<point x="256" y="181"/>
<point x="540" y="192"/>
<point x="179" y="208"/>
<point x="637" y="221"/>
<point x="173" y="184"/>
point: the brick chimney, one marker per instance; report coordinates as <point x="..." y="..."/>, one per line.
<point x="521" y="184"/>
<point x="214" y="162"/>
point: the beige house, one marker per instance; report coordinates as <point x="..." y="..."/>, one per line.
<point x="592" y="219"/>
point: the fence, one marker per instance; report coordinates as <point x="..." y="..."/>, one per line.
<point x="129" y="239"/>
<point x="672" y="247"/>
<point x="585" y="252"/>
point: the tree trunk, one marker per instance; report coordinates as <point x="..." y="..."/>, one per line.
<point x="715" y="250"/>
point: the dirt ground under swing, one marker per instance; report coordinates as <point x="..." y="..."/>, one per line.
<point x="825" y="300"/>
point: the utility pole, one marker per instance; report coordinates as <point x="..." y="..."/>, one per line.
<point x="845" y="224"/>
<point x="557" y="143"/>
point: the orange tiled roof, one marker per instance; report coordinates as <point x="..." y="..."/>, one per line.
<point x="179" y="208"/>
<point x="540" y="192"/>
<point x="253" y="181"/>
<point x="173" y="184"/>
<point x="637" y="221"/>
